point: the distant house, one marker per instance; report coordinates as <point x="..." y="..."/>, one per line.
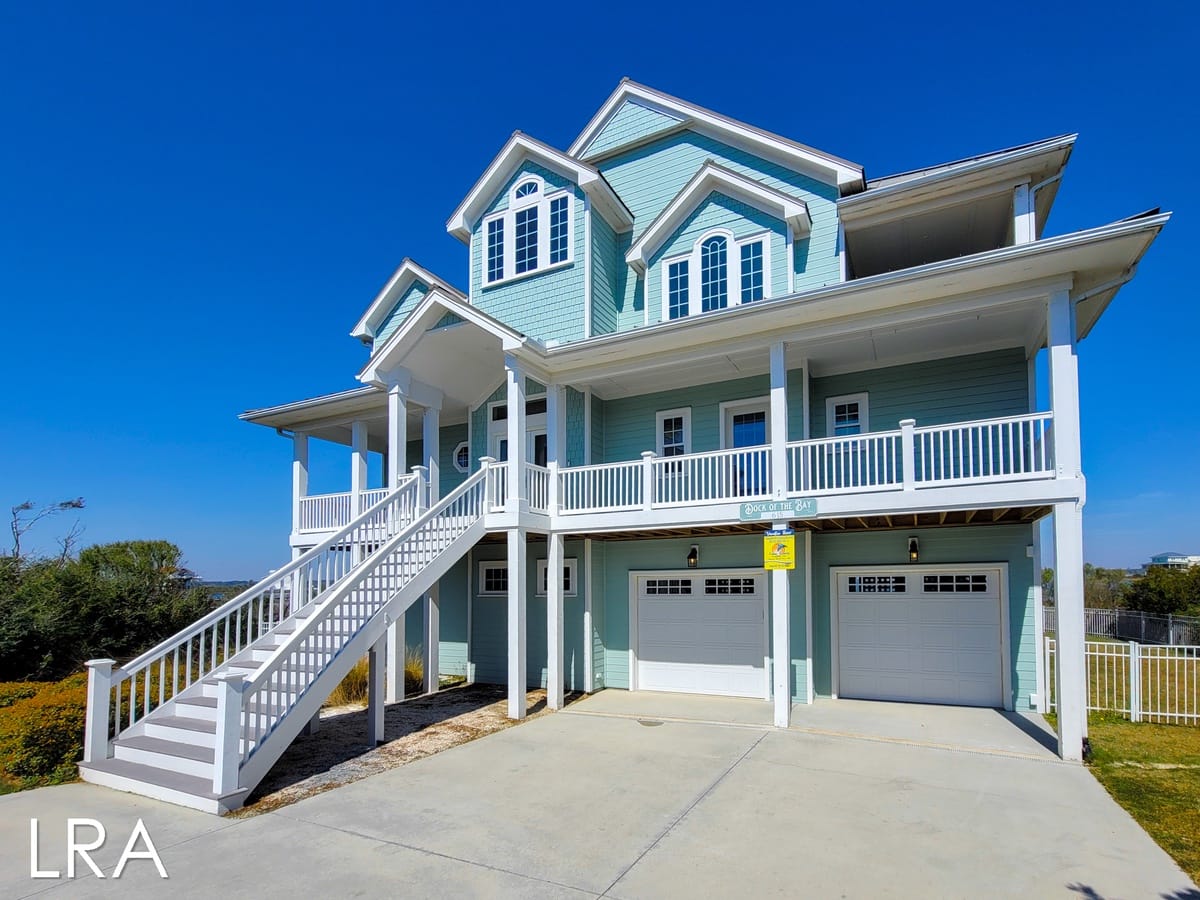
<point x="1173" y="561"/>
<point x="676" y="334"/>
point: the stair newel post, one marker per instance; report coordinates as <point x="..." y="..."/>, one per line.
<point x="489" y="483"/>
<point x="648" y="479"/>
<point x="99" y="709"/>
<point x="422" y="473"/>
<point x="908" y="452"/>
<point x="228" y="758"/>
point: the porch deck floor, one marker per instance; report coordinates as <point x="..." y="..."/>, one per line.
<point x="953" y="727"/>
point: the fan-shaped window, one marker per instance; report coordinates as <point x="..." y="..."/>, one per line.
<point x="714" y="274"/>
<point x="527" y="189"/>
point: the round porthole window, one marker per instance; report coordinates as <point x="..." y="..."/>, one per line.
<point x="462" y="457"/>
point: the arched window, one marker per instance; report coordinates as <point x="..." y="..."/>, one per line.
<point x="532" y="234"/>
<point x="714" y="274"/>
<point x="527" y="189"/>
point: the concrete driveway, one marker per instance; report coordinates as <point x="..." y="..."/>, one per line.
<point x="590" y="803"/>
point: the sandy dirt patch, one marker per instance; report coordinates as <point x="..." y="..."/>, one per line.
<point x="339" y="754"/>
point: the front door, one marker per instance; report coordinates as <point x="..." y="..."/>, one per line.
<point x="746" y="425"/>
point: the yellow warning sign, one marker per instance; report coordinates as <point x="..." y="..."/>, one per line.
<point x="779" y="549"/>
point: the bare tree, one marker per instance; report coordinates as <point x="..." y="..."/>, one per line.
<point x="24" y="518"/>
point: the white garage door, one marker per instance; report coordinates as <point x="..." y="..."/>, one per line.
<point x="920" y="634"/>
<point x="702" y="632"/>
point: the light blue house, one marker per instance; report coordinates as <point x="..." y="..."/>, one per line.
<point x="674" y="335"/>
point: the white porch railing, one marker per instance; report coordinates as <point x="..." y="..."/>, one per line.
<point x="496" y="484"/>
<point x="537" y="487"/>
<point x="1013" y="448"/>
<point x="1145" y="683"/>
<point x="867" y="462"/>
<point x="328" y="512"/>
<point x="1006" y="449"/>
<point x="717" y="477"/>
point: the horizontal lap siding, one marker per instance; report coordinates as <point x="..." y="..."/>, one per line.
<point x="452" y="607"/>
<point x="956" y="389"/>
<point x="742" y="220"/>
<point x="620" y="558"/>
<point x="547" y="306"/>
<point x="632" y="122"/>
<point x="489" y="623"/>
<point x="629" y="423"/>
<point x="648" y="177"/>
<point x="978" y="544"/>
<point x="449" y="437"/>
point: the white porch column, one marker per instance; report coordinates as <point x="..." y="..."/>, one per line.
<point x="397" y="464"/>
<point x="299" y="475"/>
<point x="358" y="466"/>
<point x="589" y="662"/>
<point x="779" y="423"/>
<point x="554" y="621"/>
<point x="432" y="448"/>
<point x="1070" y="670"/>
<point x="397" y="467"/>
<point x="1024" y="221"/>
<point x="375" y="691"/>
<point x="516" y="439"/>
<point x="781" y="644"/>
<point x="810" y="691"/>
<point x="516" y="616"/>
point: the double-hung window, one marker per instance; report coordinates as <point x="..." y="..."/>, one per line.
<point x="533" y="233"/>
<point x="846" y="415"/>
<point x="674" y="428"/>
<point x="719" y="272"/>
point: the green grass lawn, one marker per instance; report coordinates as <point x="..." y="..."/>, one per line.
<point x="1153" y="771"/>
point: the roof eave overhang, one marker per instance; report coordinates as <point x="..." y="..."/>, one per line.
<point x="712" y="177"/>
<point x="519" y="148"/>
<point x="290" y="415"/>
<point x="999" y="169"/>
<point x="406" y="273"/>
<point x="390" y="357"/>
<point x="847" y="299"/>
<point x="848" y="177"/>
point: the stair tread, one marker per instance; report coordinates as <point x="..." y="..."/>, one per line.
<point x="210" y="702"/>
<point x="185" y="724"/>
<point x="168" y="748"/>
<point x="174" y="781"/>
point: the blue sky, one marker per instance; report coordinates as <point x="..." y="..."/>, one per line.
<point x="200" y="202"/>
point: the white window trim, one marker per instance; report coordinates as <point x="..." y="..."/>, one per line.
<point x="571" y="564"/>
<point x="750" y="404"/>
<point x="457" y="449"/>
<point x="542" y="200"/>
<point x="863" y="412"/>
<point x="733" y="262"/>
<point x="484" y="565"/>
<point x="659" y="417"/>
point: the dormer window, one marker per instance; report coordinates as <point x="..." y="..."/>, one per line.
<point x="531" y="235"/>
<point x="718" y="273"/>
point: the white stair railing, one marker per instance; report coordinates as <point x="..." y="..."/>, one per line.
<point x="271" y="691"/>
<point x="140" y="686"/>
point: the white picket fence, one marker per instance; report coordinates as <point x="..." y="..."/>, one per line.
<point x="1146" y="683"/>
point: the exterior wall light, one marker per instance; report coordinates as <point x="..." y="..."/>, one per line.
<point x="693" y="557"/>
<point x="914" y="550"/>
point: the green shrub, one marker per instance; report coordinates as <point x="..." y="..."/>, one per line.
<point x="12" y="691"/>
<point x="41" y="737"/>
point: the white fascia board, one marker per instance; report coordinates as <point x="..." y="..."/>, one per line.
<point x="953" y="177"/>
<point x="436" y="304"/>
<point x="798" y="157"/>
<point x="303" y="410"/>
<point x="845" y="298"/>
<point x="401" y="280"/>
<point x="713" y="177"/>
<point x="519" y="148"/>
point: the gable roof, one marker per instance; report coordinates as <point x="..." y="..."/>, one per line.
<point x="712" y="177"/>
<point x="823" y="166"/>
<point x="403" y="278"/>
<point x="519" y="148"/>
